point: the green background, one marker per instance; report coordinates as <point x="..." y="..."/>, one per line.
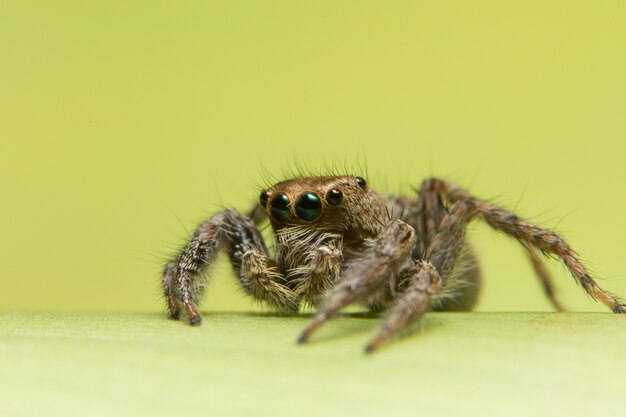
<point x="121" y="120"/>
<point x="124" y="124"/>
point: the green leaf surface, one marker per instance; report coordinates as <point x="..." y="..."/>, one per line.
<point x="246" y="364"/>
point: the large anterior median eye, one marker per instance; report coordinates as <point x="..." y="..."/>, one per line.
<point x="279" y="207"/>
<point x="309" y="207"/>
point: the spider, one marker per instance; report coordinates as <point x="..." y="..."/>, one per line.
<point x="337" y="241"/>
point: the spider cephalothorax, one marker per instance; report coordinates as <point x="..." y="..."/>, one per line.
<point x="337" y="204"/>
<point x="337" y="241"/>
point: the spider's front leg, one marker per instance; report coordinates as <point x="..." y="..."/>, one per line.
<point x="423" y="283"/>
<point x="425" y="279"/>
<point x="420" y="280"/>
<point x="369" y="273"/>
<point x="183" y="277"/>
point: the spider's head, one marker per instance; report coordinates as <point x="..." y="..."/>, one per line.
<point x="332" y="203"/>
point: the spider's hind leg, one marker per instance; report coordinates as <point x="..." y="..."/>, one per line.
<point x="543" y="275"/>
<point x="529" y="235"/>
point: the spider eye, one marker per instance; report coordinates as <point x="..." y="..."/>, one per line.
<point x="309" y="207"/>
<point x="334" y="197"/>
<point x="279" y="207"/>
<point x="263" y="199"/>
<point x="361" y="182"/>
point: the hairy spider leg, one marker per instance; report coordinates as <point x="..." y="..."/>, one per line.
<point x="536" y="237"/>
<point x="428" y="276"/>
<point x="423" y="284"/>
<point x="462" y="283"/>
<point x="543" y="275"/>
<point x="184" y="277"/>
<point x="368" y="273"/>
<point x="425" y="216"/>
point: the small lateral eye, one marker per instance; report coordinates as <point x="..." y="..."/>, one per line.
<point x="279" y="207"/>
<point x="263" y="199"/>
<point x="309" y="206"/>
<point x="334" y="197"/>
<point x="361" y="182"/>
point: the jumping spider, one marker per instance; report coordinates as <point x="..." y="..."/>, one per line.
<point x="337" y="241"/>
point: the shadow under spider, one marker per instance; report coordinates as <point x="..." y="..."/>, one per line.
<point x="278" y="314"/>
<point x="369" y="322"/>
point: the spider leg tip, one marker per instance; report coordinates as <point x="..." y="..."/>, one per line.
<point x="374" y="344"/>
<point x="173" y="316"/>
<point x="303" y="338"/>
<point x="370" y="348"/>
<point x="195" y="321"/>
